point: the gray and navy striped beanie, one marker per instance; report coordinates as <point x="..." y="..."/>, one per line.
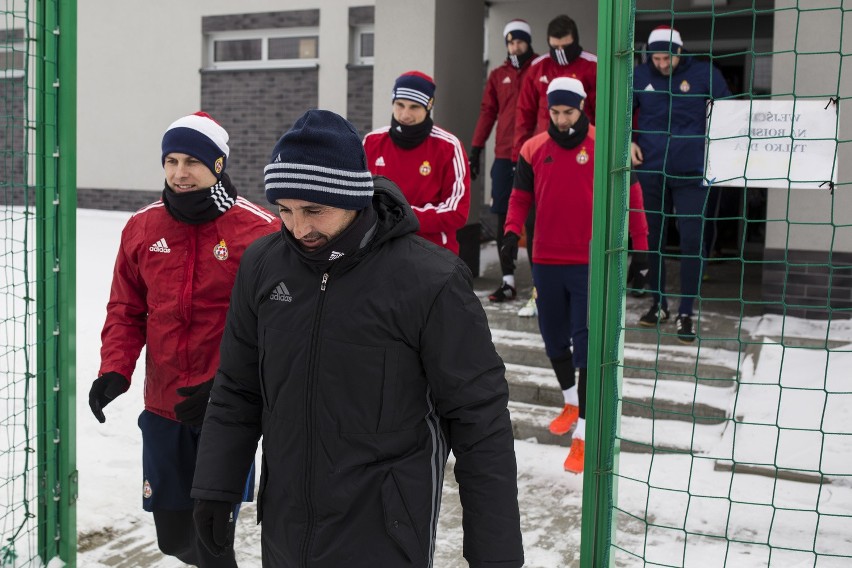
<point x="321" y="160"/>
<point x="415" y="86"/>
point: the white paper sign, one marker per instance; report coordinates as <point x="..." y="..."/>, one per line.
<point x="772" y="144"/>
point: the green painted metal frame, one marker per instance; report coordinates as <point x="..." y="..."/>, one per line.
<point x="607" y="277"/>
<point x="56" y="204"/>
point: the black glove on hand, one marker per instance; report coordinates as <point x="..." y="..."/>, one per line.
<point x="509" y="250"/>
<point x="214" y="525"/>
<point x="104" y="390"/>
<point x="473" y="162"/>
<point x="191" y="410"/>
<point x="638" y="273"/>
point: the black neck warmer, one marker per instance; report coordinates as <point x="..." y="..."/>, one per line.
<point x="518" y="61"/>
<point x="353" y="238"/>
<point x="201" y="205"/>
<point x="408" y="137"/>
<point x="574" y="136"/>
<point x="566" y="55"/>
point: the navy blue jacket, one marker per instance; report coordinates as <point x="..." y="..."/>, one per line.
<point x="672" y="114"/>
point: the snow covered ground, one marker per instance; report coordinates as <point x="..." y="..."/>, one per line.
<point x="673" y="510"/>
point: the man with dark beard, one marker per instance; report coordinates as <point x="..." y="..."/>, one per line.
<point x="171" y="285"/>
<point x="427" y="163"/>
<point x="532" y="116"/>
<point x="360" y="354"/>
<point x="556" y="172"/>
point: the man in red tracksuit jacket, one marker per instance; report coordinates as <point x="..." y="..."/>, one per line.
<point x="498" y="105"/>
<point x="427" y="163"/>
<point x="566" y="59"/>
<point x="556" y="171"/>
<point x="171" y="288"/>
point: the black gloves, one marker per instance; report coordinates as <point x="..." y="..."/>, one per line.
<point x="191" y="410"/>
<point x="214" y="525"/>
<point x="473" y="162"/>
<point x="104" y="390"/>
<point x="509" y="250"/>
<point x="637" y="273"/>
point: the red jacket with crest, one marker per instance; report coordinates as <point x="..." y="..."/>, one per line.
<point x="171" y="288"/>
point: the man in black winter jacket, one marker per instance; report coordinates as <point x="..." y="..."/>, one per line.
<point x="362" y="356"/>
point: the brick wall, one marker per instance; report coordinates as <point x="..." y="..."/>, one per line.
<point x="809" y="284"/>
<point x="115" y="199"/>
<point x="12" y="148"/>
<point x="359" y="97"/>
<point x="362" y="15"/>
<point x="359" y="78"/>
<point x="260" y="21"/>
<point x="256" y="107"/>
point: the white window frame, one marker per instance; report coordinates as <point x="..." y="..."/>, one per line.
<point x="264" y="62"/>
<point x="357" y="32"/>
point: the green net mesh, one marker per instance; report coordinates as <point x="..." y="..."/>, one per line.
<point x="735" y="447"/>
<point x="18" y="428"/>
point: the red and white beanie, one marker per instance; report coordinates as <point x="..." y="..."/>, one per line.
<point x="201" y="137"/>
<point x="518" y="29"/>
<point x="566" y="91"/>
<point x="664" y="38"/>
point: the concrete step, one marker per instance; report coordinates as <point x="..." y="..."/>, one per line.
<point x="708" y="365"/>
<point x="714" y="330"/>
<point x="637" y="435"/>
<point x="674" y="400"/>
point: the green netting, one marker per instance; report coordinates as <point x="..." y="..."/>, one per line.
<point x="37" y="208"/>
<point x="734" y="450"/>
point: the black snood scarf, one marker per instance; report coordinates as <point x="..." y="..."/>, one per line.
<point x="201" y="205"/>
<point x="408" y="137"/>
<point x="574" y="136"/>
<point x="353" y="238"/>
<point x="566" y="55"/>
<point x="518" y="61"/>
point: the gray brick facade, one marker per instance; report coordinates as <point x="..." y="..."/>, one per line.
<point x="260" y="21"/>
<point x="13" y="151"/>
<point x="359" y="97"/>
<point x="809" y="284"/>
<point x="362" y="15"/>
<point x="256" y="107"/>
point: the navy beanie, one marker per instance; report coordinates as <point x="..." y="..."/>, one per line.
<point x="201" y="137"/>
<point x="566" y="91"/>
<point x="415" y="86"/>
<point x="321" y="160"/>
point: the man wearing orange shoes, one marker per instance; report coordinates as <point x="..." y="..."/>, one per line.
<point x="556" y="172"/>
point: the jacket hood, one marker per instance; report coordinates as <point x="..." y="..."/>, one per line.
<point x="395" y="217"/>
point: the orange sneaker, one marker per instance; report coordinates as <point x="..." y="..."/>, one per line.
<point x="574" y="461"/>
<point x="567" y="418"/>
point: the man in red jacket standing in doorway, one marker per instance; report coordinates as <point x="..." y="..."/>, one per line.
<point x="427" y="163"/>
<point x="498" y="105"/>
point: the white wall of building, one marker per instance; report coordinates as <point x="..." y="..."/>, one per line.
<point x="813" y="219"/>
<point x="138" y="70"/>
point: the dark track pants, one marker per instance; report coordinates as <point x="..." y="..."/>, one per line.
<point x="686" y="201"/>
<point x="562" y="302"/>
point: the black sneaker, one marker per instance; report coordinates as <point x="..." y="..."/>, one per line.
<point x="656" y="315"/>
<point x="504" y="293"/>
<point x="685" y="332"/>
